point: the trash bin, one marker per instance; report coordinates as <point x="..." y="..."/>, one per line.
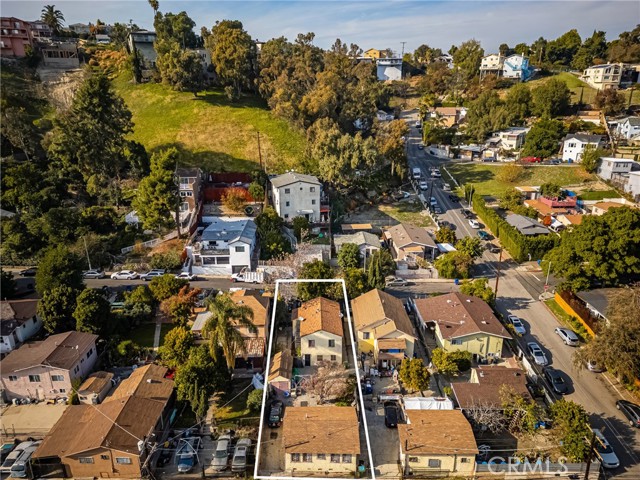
<point x="456" y="281"/>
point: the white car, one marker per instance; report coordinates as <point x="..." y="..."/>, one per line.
<point x="436" y="174"/>
<point x="517" y="325"/>
<point x="538" y="355"/>
<point x="152" y="274"/>
<point x="124" y="275"/>
<point x="417" y="124"/>
<point x="474" y="223"/>
<point x="423" y="185"/>
<point x="569" y="337"/>
<point x="186" y="276"/>
<point x="605" y="453"/>
<point x="221" y="454"/>
<point x="93" y="274"/>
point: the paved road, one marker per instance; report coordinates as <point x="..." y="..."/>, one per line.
<point x="217" y="283"/>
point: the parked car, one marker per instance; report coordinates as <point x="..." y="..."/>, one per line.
<point x="467" y="214"/>
<point x="221" y="453"/>
<point x="276" y="412"/>
<point x="483" y="235"/>
<point x="186" y="462"/>
<point x="531" y="160"/>
<point x="13" y="456"/>
<point x="474" y="223"/>
<point x="5" y="450"/>
<point x="454" y="198"/>
<point x="187" y="276"/>
<point x="423" y="185"/>
<point x="604" y="452"/>
<point x="391" y="414"/>
<point x="492" y="248"/>
<point x="399" y="195"/>
<point x="537" y="354"/>
<point x="555" y="379"/>
<point x="93" y="274"/>
<point x="239" y="462"/>
<point x="445" y="224"/>
<point x="420" y="146"/>
<point x="124" y="275"/>
<point x="518" y="326"/>
<point x="150" y="275"/>
<point x="19" y="468"/>
<point x="446" y="187"/>
<point x="28" y="272"/>
<point x="436" y="173"/>
<point x="568" y="336"/>
<point x="186" y="454"/>
<point x="433" y="201"/>
<point x="395" y="282"/>
<point x="594" y="366"/>
<point x="437" y="209"/>
<point x="631" y="411"/>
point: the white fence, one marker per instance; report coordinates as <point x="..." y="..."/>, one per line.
<point x="151" y="243"/>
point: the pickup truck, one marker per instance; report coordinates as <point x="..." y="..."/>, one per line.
<point x="248" y="277"/>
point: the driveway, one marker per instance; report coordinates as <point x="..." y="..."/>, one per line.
<point x="271" y="452"/>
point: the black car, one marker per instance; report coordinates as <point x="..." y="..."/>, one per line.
<point x="467" y="213"/>
<point x="631" y="411"/>
<point x="391" y="414"/>
<point x="276" y="412"/>
<point x="454" y="198"/>
<point x="555" y="379"/>
<point x="29" y="272"/>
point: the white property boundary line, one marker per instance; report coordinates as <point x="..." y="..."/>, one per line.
<point x="266" y="382"/>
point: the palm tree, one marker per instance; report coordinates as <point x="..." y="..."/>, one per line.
<point x="222" y="327"/>
<point x="155" y="4"/>
<point x="52" y="17"/>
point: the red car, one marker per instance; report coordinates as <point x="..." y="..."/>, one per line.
<point x="531" y="160"/>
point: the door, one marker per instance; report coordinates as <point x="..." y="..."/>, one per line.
<point x="307" y="360"/>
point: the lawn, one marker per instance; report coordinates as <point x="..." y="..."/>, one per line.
<point x="234" y="403"/>
<point x="407" y="212"/>
<point x="598" y="194"/>
<point x="143" y="335"/>
<point x="212" y="132"/>
<point x="485" y="177"/>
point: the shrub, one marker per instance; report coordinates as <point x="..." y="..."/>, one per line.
<point x="254" y="400"/>
<point x="168" y="261"/>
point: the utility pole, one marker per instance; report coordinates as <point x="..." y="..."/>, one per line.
<point x="87" y="252"/>
<point x="546" y="283"/>
<point x="495" y="292"/>
<point x="259" y="150"/>
<point x="591" y="447"/>
<point x="402" y="56"/>
<point x="402" y="61"/>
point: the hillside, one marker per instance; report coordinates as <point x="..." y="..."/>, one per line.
<point x="212" y="132"/>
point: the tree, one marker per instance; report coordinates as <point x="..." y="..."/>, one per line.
<point x="92" y="312"/>
<point x="53" y="18"/>
<point x="510" y="199"/>
<point x="601" y="249"/>
<point x="443" y="362"/>
<point x="593" y="48"/>
<point x="174" y="27"/>
<point x="176" y="346"/>
<point x="155" y="4"/>
<point x="315" y="270"/>
<point x="485" y="416"/>
<point x="56" y="309"/>
<point x="138" y="305"/>
<point x="543" y="138"/>
<point x="273" y="242"/>
<point x="59" y="266"/>
<point x="157" y="199"/>
<point x="571" y="429"/>
<point x="454" y="265"/>
<point x="179" y="68"/>
<point x="486" y="114"/>
<point x="551" y="190"/>
<point x="479" y="288"/>
<point x="331" y="382"/>
<point x="390" y="143"/>
<point x="8" y="285"/>
<point x="18" y="128"/>
<point x="234" y="199"/>
<point x="626" y="48"/>
<point x="522" y="413"/>
<point x="256" y="190"/>
<point x="518" y="103"/>
<point x="472" y="246"/>
<point x="414" y="374"/>
<point x="170" y="260"/>
<point x="562" y="50"/>
<point x="590" y="159"/>
<point x="355" y="281"/>
<point x="221" y="328"/>
<point x="551" y="99"/>
<point x="300" y="225"/>
<point x="381" y="265"/>
<point x="617" y="344"/>
<point x="180" y="305"/>
<point x="467" y="58"/>
<point x="349" y="256"/>
<point x="254" y="400"/>
<point x="446" y="235"/>
<point x="437" y="81"/>
<point x="166" y="286"/>
<point x="127" y="352"/>
<point x="610" y="101"/>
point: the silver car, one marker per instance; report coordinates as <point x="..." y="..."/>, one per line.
<point x="221" y="454"/>
<point x="239" y="462"/>
<point x="568" y="336"/>
<point x="537" y="354"/>
<point x="605" y="453"/>
<point x="93" y="274"/>
<point x="518" y="326"/>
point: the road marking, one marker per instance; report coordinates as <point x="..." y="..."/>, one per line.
<point x="535" y="277"/>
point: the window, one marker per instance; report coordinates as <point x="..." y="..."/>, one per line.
<point x="34" y="378"/>
<point x="321" y="456"/>
<point x="456" y="341"/>
<point x="123" y="460"/>
<point x="332" y="343"/>
<point x="240" y="249"/>
<point x="366" y="336"/>
<point x="77" y="369"/>
<point x="306" y="457"/>
<point x="85" y="459"/>
<point x="434" y="463"/>
<point x="464" y="460"/>
<point x="287" y="190"/>
<point x="104" y="457"/>
<point x="57" y="378"/>
<point x="295" y="457"/>
<point x="414" y="459"/>
<point x="319" y="358"/>
<point x="287" y="204"/>
<point x="286" y="215"/>
<point x="312" y="344"/>
<point x="334" y="358"/>
<point x="312" y="189"/>
<point x="62" y="390"/>
<point x="335" y="458"/>
<point x="346" y="458"/>
<point x="13" y="378"/>
<point x="313" y="202"/>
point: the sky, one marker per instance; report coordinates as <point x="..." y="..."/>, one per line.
<point x="370" y="24"/>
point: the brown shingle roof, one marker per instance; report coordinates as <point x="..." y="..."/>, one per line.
<point x="607" y="205"/>
<point x="59" y="351"/>
<point x="376" y="306"/>
<point x="487" y="391"/>
<point x="321" y="430"/>
<point x="96" y="382"/>
<point x="18" y="309"/>
<point x="146" y="382"/>
<point x="437" y="432"/>
<point x="458" y="315"/>
<point x="392" y="343"/>
<point x="320" y="314"/>
<point x="406" y="234"/>
<point x="281" y="365"/>
<point x="255" y="302"/>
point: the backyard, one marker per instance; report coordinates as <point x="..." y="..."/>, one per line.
<point x="232" y="405"/>
<point x="143" y="335"/>
<point x="384" y="215"/>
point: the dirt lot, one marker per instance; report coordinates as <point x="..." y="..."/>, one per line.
<point x="21" y="421"/>
<point x="388" y="215"/>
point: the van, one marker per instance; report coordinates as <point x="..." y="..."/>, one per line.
<point x="417" y="173"/>
<point x="13" y="456"/>
<point x="21" y="468"/>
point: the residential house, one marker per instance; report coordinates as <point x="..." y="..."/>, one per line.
<point x="95" y="388"/>
<point x="549" y="208"/>
<point x="102" y="39"/>
<point x="485" y="386"/>
<point x="321" y="441"/>
<point x="437" y="442"/>
<point x="60" y="54"/>
<point x="529" y="192"/>
<point x="205" y="59"/>
<point x="510" y="139"/>
<point x="255" y="342"/>
<point x="602" y="77"/>
<point x="446" y="59"/>
<point x="190" y="182"/>
<point x="19" y="321"/>
<point x="597" y="301"/>
<point x="525" y="225"/>
<point x="15" y="37"/>
<point x="517" y="67"/>
<point x="471" y="152"/>
<point x="389" y="69"/>
<point x="462" y="322"/>
<point x="112" y="439"/>
<point x="570" y="220"/>
<point x="491" y="65"/>
<point x="374" y="53"/>
<point x="226" y="246"/>
<point x="142" y="43"/>
<point x="573" y="145"/>
<point x="367" y="243"/>
<point x="383" y="328"/>
<point x="610" y="166"/>
<point x="632" y="186"/>
<point x="296" y="195"/>
<point x="47" y="369"/>
<point x="628" y="128"/>
<point x="281" y="372"/>
<point x="40" y="31"/>
<point x="601" y="208"/>
<point x="80" y="28"/>
<point x="448" y="116"/>
<point x="408" y="243"/>
<point x="318" y="331"/>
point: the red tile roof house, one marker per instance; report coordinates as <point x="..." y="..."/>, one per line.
<point x="46" y="369"/>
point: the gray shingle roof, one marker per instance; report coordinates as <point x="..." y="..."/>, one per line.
<point x="293" y="177"/>
<point x="231" y="230"/>
<point x="359" y="238"/>
<point x="633" y="121"/>
<point x="526" y="225"/>
<point x="583" y="137"/>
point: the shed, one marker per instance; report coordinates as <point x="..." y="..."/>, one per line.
<point x="280" y="372"/>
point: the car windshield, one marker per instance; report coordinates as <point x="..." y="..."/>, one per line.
<point x="221" y="453"/>
<point x="558" y="379"/>
<point x="604" y="448"/>
<point x="17" y="468"/>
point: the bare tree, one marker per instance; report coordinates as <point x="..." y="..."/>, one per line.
<point x="486" y="416"/>
<point x="331" y="382"/>
<point x="521" y="413"/>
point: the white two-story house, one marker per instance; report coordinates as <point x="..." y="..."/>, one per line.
<point x="296" y="195"/>
<point x="602" y="77"/>
<point x="318" y="331"/>
<point x="628" y="128"/>
<point x="610" y="166"/>
<point x="517" y="67"/>
<point x="226" y="246"/>
<point x="573" y="145"/>
<point x="19" y="322"/>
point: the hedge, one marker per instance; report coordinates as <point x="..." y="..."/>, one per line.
<point x="518" y="245"/>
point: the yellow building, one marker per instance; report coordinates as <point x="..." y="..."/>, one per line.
<point x="318" y="326"/>
<point x="463" y="322"/>
<point x="437" y="442"/>
<point x="373" y="53"/>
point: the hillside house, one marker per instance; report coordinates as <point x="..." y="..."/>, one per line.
<point x="525" y="225"/>
<point x="317" y="326"/>
<point x="281" y="372"/>
<point x="19" y="321"/>
<point x="602" y="77"/>
<point x="367" y="243"/>
<point x="389" y="69"/>
<point x="95" y="388"/>
<point x="297" y="195"/>
<point x="628" y="128"/>
<point x="573" y="145"/>
<point x="610" y="166"/>
<point x="190" y="182"/>
<point x="408" y="243"/>
<point x="15" y="37"/>
<point x="484" y="385"/>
